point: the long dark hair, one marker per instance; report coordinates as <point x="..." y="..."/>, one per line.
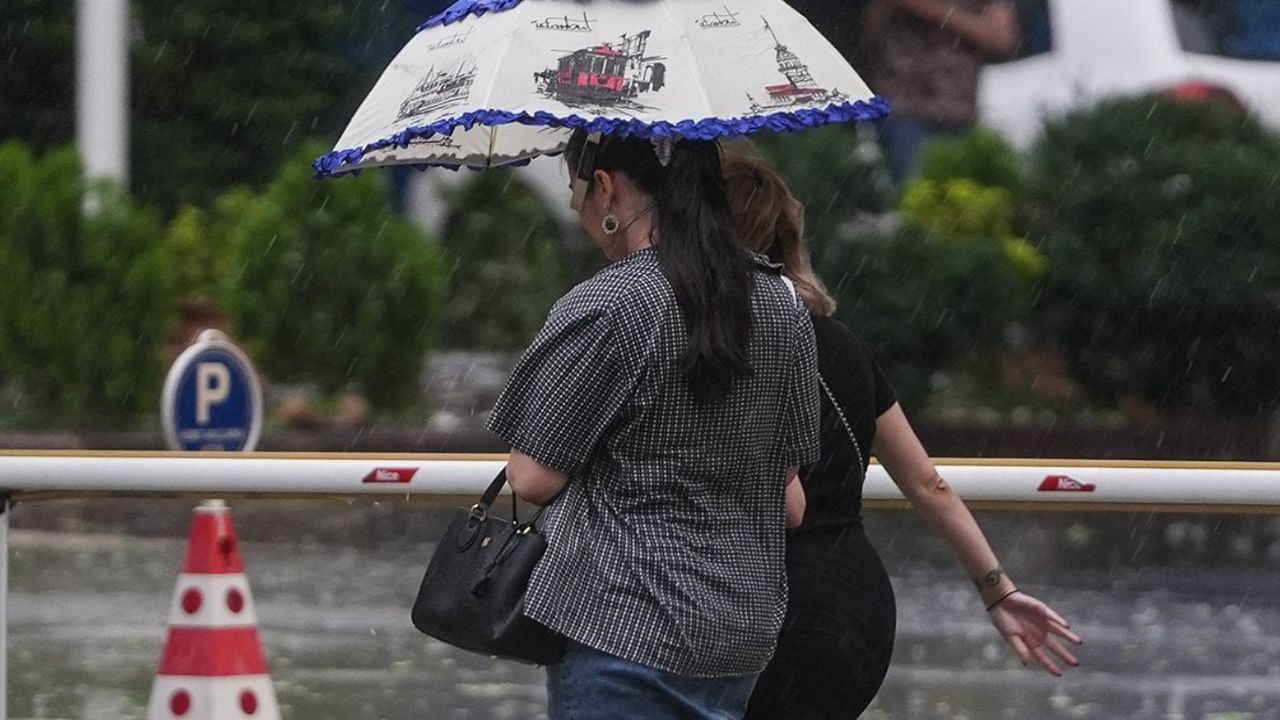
<point x="710" y="273"/>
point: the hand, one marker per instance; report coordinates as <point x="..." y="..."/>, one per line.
<point x="1033" y="630"/>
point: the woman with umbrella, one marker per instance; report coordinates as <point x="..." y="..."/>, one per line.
<point x="838" y="637"/>
<point x="661" y="412"/>
<point x="664" y="408"/>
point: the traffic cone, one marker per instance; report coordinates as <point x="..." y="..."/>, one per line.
<point x="212" y="667"/>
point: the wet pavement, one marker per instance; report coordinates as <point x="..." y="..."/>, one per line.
<point x="1181" y="616"/>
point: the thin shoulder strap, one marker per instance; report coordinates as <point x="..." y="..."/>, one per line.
<point x="853" y="438"/>
<point x="857" y="448"/>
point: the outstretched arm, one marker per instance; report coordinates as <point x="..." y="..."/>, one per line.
<point x="1032" y="628"/>
<point x="992" y="30"/>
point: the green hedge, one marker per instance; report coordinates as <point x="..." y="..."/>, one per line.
<point x="1161" y="222"/>
<point x="935" y="287"/>
<point x="220" y="92"/>
<point x="328" y="285"/>
<point x="85" y="298"/>
<point x="507" y="263"/>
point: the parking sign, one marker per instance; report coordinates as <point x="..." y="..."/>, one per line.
<point x="212" y="399"/>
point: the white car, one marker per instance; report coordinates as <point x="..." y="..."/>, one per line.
<point x="1102" y="48"/>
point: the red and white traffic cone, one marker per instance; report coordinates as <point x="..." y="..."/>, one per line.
<point x="212" y="667"/>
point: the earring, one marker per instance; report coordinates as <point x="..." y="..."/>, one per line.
<point x="611" y="224"/>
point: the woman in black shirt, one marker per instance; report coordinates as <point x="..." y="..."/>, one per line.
<point x="837" y="638"/>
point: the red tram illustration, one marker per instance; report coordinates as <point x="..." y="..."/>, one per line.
<point x="605" y="74"/>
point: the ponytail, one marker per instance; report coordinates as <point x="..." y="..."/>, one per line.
<point x="770" y="221"/>
<point x="710" y="274"/>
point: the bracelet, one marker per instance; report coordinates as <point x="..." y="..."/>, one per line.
<point x="1002" y="599"/>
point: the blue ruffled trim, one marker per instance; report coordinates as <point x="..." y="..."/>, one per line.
<point x="710" y="129"/>
<point x="463" y="8"/>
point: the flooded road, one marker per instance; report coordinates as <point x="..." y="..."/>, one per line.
<point x="1181" y="617"/>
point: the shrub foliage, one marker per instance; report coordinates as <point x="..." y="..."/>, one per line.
<point x="85" y="298"/>
<point x="328" y="286"/>
<point x="1163" y="229"/>
<point x="507" y="265"/>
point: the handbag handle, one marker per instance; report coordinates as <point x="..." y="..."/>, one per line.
<point x="480" y="511"/>
<point x="481" y="507"/>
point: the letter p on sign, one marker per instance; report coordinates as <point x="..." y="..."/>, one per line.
<point x="212" y="400"/>
<point x="213" y="385"/>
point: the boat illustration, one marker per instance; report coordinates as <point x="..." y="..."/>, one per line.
<point x="439" y="90"/>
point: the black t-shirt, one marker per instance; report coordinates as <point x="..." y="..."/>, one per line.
<point x="833" y="485"/>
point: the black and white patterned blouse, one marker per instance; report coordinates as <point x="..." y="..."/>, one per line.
<point x="666" y="547"/>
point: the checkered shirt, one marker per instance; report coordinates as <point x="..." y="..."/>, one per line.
<point x="666" y="547"/>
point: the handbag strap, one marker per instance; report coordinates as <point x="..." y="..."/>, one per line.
<point x="491" y="493"/>
<point x="857" y="448"/>
<point x="480" y="510"/>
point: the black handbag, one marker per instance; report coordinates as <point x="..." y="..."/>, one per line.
<point x="472" y="595"/>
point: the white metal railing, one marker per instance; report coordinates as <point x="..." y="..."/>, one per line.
<point x="995" y="483"/>
<point x="998" y="484"/>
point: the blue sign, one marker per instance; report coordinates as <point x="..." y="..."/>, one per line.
<point x="212" y="399"/>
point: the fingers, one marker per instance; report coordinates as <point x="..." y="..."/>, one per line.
<point x="1046" y="661"/>
<point x="1062" y="653"/>
<point x="1036" y="632"/>
<point x="1049" y="612"/>
<point x="1055" y="617"/>
<point x="1045" y="649"/>
<point x="1062" y="632"/>
<point x="1020" y="648"/>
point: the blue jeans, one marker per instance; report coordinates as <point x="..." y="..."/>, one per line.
<point x="591" y="685"/>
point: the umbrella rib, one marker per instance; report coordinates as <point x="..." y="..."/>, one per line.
<point x="697" y="78"/>
<point x="488" y="98"/>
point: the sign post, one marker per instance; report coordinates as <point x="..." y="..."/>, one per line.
<point x="212" y="399"/>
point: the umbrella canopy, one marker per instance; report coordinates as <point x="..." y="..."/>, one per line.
<point x="497" y="82"/>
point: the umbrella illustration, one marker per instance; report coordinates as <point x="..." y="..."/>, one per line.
<point x="492" y="83"/>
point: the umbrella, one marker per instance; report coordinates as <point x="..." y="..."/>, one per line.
<point x="490" y="83"/>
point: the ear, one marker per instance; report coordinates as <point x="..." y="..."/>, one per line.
<point x="604" y="184"/>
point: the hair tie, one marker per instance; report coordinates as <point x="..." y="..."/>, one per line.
<point x="1003" y="597"/>
<point x="664" y="147"/>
